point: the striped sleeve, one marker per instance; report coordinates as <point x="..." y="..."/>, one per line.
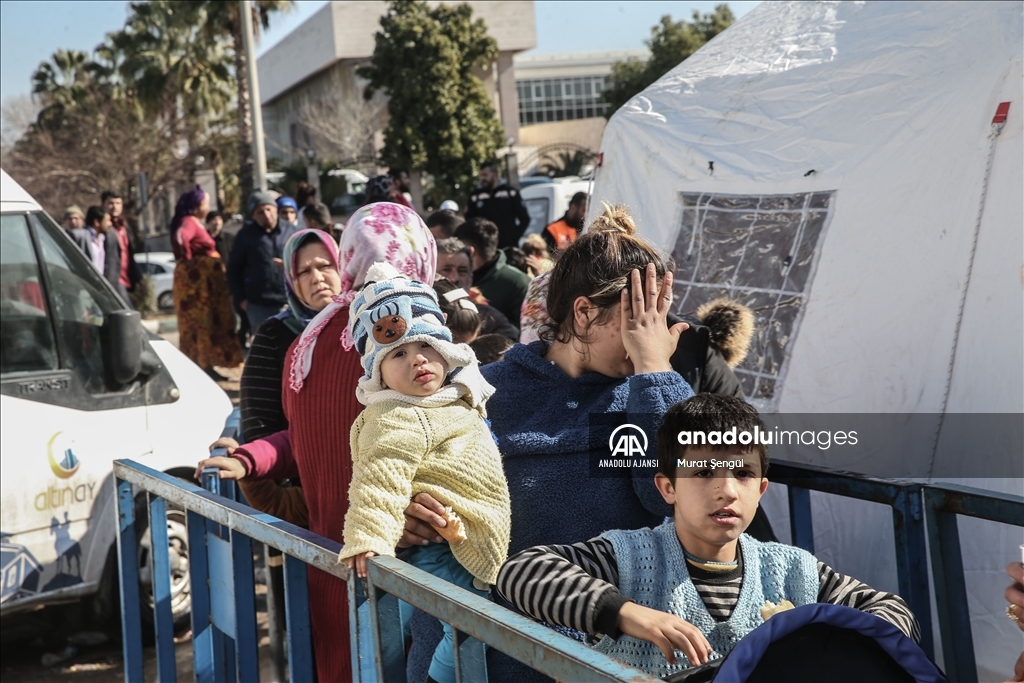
<point x="567" y="585"/>
<point x="260" y="393"/>
<point x="838" y="589"/>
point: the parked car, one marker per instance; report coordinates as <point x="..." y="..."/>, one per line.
<point x="159" y="265"/>
<point x="548" y="201"/>
<point x="83" y="384"/>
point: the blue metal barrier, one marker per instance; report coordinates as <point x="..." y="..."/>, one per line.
<point x="942" y="504"/>
<point x="221" y="533"/>
<point x="919" y="510"/>
<point x="908" y="524"/>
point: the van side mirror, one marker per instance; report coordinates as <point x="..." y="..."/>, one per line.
<point x="122" y="337"/>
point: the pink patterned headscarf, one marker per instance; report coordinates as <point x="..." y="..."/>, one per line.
<point x="382" y="232"/>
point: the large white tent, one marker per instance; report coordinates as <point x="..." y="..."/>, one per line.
<point x="835" y="165"/>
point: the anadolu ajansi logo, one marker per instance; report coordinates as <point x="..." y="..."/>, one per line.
<point x="69" y="464"/>
<point x="625" y="442"/>
<point x="628" y="446"/>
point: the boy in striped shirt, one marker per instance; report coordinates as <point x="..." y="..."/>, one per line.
<point x="680" y="595"/>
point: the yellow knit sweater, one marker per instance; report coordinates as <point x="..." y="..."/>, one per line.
<point x="400" y="450"/>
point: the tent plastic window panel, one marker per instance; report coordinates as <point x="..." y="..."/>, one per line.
<point x="761" y="251"/>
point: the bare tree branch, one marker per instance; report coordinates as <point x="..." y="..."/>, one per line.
<point x="342" y="128"/>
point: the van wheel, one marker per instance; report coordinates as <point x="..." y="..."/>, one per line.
<point x="165" y="301"/>
<point x="177" y="538"/>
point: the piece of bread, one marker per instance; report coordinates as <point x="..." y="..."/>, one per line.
<point x="770" y="609"/>
<point x="453" y="533"/>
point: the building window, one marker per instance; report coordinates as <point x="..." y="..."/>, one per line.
<point x="560" y="99"/>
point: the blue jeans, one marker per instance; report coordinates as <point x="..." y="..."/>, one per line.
<point x="257" y="313"/>
<point x="437" y="559"/>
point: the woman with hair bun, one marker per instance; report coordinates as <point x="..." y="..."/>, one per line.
<point x="206" y="323"/>
<point x="604" y="350"/>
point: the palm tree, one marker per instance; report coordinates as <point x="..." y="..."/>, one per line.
<point x="173" y="68"/>
<point x="224" y="20"/>
<point x="568" y="164"/>
<point x="62" y="81"/>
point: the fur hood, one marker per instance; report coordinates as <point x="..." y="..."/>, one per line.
<point x="732" y="328"/>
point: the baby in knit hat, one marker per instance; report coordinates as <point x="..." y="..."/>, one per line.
<point x="422" y="430"/>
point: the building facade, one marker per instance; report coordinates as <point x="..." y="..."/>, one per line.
<point x="312" y="97"/>
<point x="560" y="106"/>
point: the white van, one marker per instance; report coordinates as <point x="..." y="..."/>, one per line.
<point x="549" y="200"/>
<point x="82" y="384"/>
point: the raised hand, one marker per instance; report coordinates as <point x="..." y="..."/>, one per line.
<point x="649" y="342"/>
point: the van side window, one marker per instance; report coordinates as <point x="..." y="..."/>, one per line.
<point x="26" y="336"/>
<point x="80" y="300"/>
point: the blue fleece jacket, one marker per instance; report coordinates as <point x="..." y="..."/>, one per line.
<point x="541" y="418"/>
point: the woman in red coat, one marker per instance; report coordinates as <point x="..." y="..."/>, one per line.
<point x="206" y="323"/>
<point x="319" y="397"/>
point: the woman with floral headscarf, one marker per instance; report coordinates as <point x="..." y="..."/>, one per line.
<point x="321" y="373"/>
<point x="312" y="278"/>
<point x="206" y="323"/>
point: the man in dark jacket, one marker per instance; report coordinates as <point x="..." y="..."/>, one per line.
<point x="501" y="205"/>
<point x="503" y="286"/>
<point x="455" y="264"/>
<point x="256" y="268"/>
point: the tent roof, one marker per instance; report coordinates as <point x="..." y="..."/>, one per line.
<point x="888" y="106"/>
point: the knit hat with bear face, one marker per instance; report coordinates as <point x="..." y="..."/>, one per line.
<point x="392" y="310"/>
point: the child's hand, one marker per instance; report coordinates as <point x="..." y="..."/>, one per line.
<point x="359" y="563"/>
<point x="667" y="631"/>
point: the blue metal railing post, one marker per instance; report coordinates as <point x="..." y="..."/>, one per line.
<point x="222" y="646"/>
<point x="246" y="643"/>
<point x="470" y="658"/>
<point x="296" y="605"/>
<point x="801" y="525"/>
<point x="199" y="582"/>
<point x="950" y="588"/>
<point x="163" y="619"/>
<point x="912" y="558"/>
<point x="128" y="562"/>
<point x="942" y="503"/>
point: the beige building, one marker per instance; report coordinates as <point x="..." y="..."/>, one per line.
<point x="560" y="106"/>
<point x="312" y="97"/>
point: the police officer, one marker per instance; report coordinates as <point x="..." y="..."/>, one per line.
<point x="500" y="204"/>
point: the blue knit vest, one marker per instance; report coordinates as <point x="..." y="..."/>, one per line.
<point x="652" y="573"/>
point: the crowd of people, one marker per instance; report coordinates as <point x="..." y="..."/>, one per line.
<point x="416" y="389"/>
<point x="102" y="234"/>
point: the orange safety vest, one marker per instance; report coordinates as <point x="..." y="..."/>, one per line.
<point x="563" y="233"/>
